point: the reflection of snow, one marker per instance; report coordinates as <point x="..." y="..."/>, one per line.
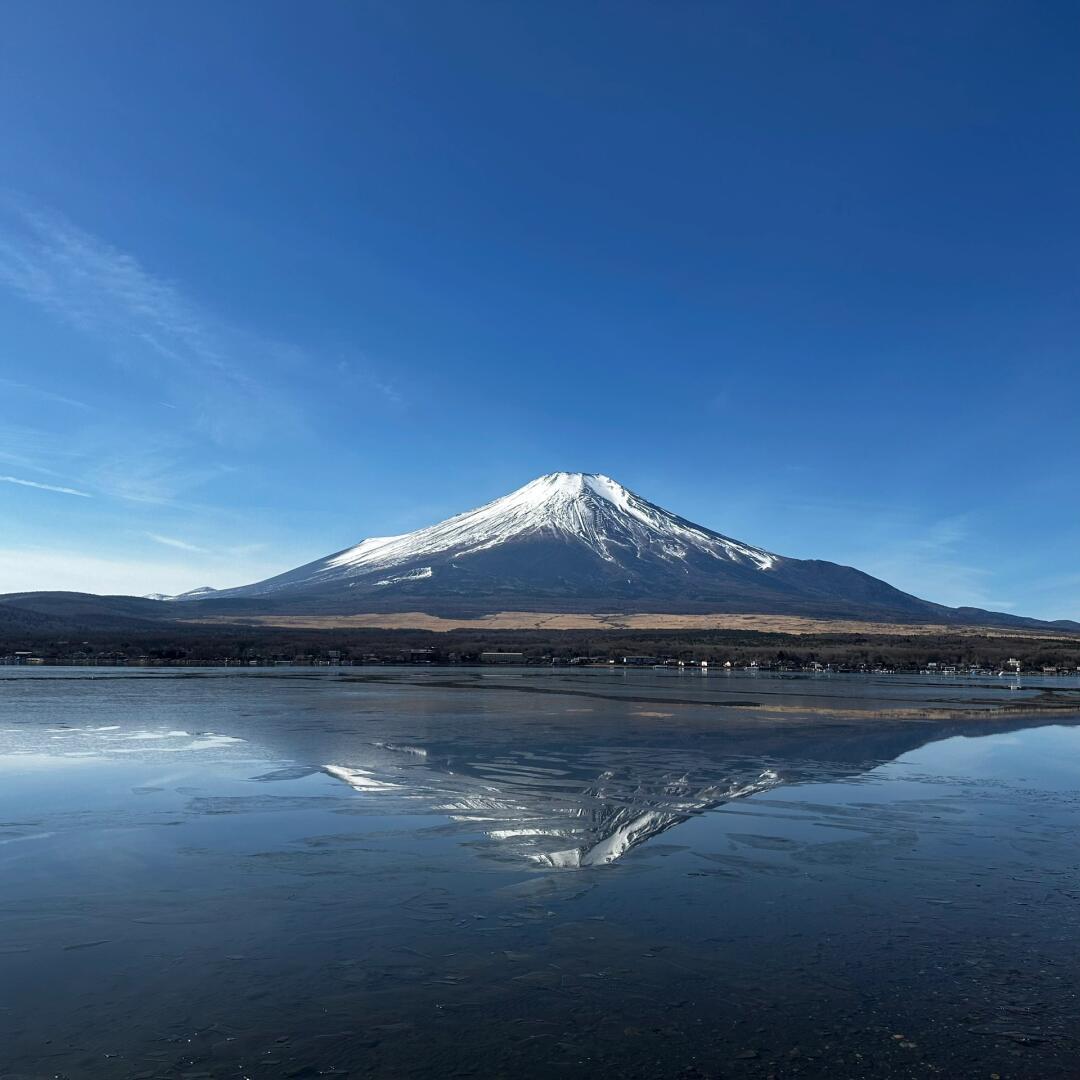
<point x="416" y="751"/>
<point x="627" y="828"/>
<point x="540" y="813"/>
<point x="206" y="740"/>
<point x="20" y="839"/>
<point x="77" y="730"/>
<point x="106" y="742"/>
<point x="505" y="834"/>
<point x="143" y="735"/>
<point x="357" y="778"/>
<point x="21" y="760"/>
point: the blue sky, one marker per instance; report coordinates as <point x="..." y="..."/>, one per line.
<point x="277" y="277"/>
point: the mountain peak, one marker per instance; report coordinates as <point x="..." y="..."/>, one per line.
<point x="562" y="486"/>
<point x="560" y="519"/>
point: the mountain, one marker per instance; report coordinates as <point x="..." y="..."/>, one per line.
<point x="580" y="542"/>
<point x="70" y="611"/>
<point x="564" y="543"/>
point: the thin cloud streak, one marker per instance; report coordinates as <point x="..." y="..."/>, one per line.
<point x="361" y="375"/>
<point x="929" y="563"/>
<point x="44" y="395"/>
<point x="146" y="470"/>
<point x="101" y="289"/>
<point x="150" y="327"/>
<point x="173" y="542"/>
<point x="46" y="487"/>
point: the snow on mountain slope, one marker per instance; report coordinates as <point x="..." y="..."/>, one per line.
<point x="565" y="543"/>
<point x="587" y="507"/>
<point x="573" y="542"/>
<point x="571" y="517"/>
<point x="204" y="592"/>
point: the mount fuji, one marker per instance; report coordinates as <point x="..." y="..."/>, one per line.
<point x="576" y="542"/>
<point x="567" y="543"/>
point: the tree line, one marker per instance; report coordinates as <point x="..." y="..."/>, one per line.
<point x="195" y="644"/>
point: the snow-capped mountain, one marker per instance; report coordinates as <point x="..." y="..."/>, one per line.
<point x="575" y="542"/>
<point x="564" y="543"/>
<point x="591" y="509"/>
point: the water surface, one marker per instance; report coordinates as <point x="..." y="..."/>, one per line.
<point x="425" y="872"/>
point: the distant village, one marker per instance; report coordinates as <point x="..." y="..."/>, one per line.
<point x="86" y="656"/>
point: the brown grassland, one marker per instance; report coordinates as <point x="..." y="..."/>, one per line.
<point x="532" y="620"/>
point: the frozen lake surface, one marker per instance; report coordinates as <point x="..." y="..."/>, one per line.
<point x="525" y="873"/>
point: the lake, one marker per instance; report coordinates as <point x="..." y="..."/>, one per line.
<point x="535" y="872"/>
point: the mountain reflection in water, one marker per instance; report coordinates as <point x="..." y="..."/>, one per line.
<point x="540" y="814"/>
<point x="589" y="804"/>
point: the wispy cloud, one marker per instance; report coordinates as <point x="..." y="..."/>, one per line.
<point x="155" y="476"/>
<point x="163" y="398"/>
<point x="147" y="468"/>
<point x="31" y="448"/>
<point x="929" y="560"/>
<point x="46" y="487"/>
<point x="177" y="396"/>
<point x="241" y="551"/>
<point x="362" y="376"/>
<point x="146" y="323"/>
<point x="173" y="542"/>
<point x="939" y="558"/>
<point x="238" y="387"/>
<point x="222" y="551"/>
<point x="43" y="394"/>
